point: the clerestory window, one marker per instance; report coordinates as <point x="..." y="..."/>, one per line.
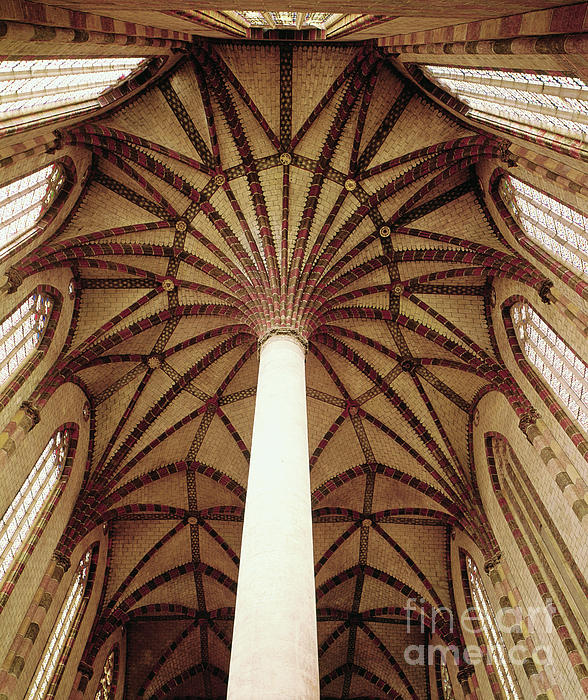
<point x="519" y="99"/>
<point x="556" y="227"/>
<point x="36" y="86"/>
<point x="52" y="664"/>
<point x="21" y="333"/>
<point x="556" y="362"/>
<point x="19" y="519"/>
<point x="494" y="642"/>
<point x="108" y="679"/>
<point x="24" y="201"/>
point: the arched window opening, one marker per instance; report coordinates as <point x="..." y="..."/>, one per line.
<point x="17" y="522"/>
<point x="21" y="333"/>
<point x="24" y="201"/>
<point x="108" y="679"/>
<point x="494" y="642"/>
<point x="52" y="664"/>
<point x="30" y="86"/>
<point x="556" y="227"/>
<point x="446" y="687"/>
<point x="558" y="364"/>
<point x="556" y="103"/>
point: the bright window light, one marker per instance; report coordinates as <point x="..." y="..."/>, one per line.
<point x="17" y="522"/>
<point x="22" y="332"/>
<point x="548" y="102"/>
<point x="28" y="86"/>
<point x="24" y="201"/>
<point x="558" y="364"/>
<point x="559" y="229"/>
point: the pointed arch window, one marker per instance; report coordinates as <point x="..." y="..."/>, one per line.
<point x="494" y="642"/>
<point x="35" y="86"/>
<point x="17" y="522"/>
<point x="24" y="201"/>
<point x="52" y="664"/>
<point x="556" y="362"/>
<point x="108" y="679"/>
<point x="21" y="333"/>
<point x="446" y="686"/>
<point x="546" y="101"/>
<point x="556" y="227"/>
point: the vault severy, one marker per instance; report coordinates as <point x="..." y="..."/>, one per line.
<point x="224" y="203"/>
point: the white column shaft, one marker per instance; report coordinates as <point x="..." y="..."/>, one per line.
<point x="274" y="651"/>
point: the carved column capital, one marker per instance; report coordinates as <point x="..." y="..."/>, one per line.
<point x="31" y="417"/>
<point x="464" y="673"/>
<point x="545" y="292"/>
<point x="492" y="562"/>
<point x="505" y="156"/>
<point x="85" y="669"/>
<point x="12" y="280"/>
<point x="61" y="560"/>
<point x="283" y="331"/>
<point x="527" y="420"/>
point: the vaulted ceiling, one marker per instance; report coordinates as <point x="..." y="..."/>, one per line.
<point x="233" y="196"/>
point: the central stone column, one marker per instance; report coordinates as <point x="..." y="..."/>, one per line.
<point x="274" y="651"/>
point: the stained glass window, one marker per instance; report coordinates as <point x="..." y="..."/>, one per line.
<point x="35" y="85"/>
<point x="561" y="230"/>
<point x="17" y="522"/>
<point x="62" y="632"/>
<point x="558" y="364"/>
<point x="22" y="332"/>
<point x="107" y="683"/>
<point x="24" y="201"/>
<point x="548" y="102"/>
<point x="494" y="642"/>
<point x="446" y="686"/>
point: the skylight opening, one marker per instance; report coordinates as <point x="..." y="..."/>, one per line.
<point x="285" y="20"/>
<point x="559" y="229"/>
<point x="29" y="86"/>
<point x="24" y="201"/>
<point x="544" y="101"/>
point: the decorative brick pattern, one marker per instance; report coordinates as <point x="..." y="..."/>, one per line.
<point x="331" y="215"/>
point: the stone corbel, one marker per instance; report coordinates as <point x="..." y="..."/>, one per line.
<point x="545" y="292"/>
<point x="31" y="415"/>
<point x="11" y="281"/>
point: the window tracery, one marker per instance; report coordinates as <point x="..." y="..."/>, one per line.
<point x="558" y="364"/>
<point x="24" y="201"/>
<point x="36" y="85"/>
<point x="21" y="333"/>
<point x="18" y="520"/>
<point x="107" y="683"/>
<point x="495" y="645"/>
<point x="63" y="633"/>
<point x="556" y="227"/>
<point x="556" y="103"/>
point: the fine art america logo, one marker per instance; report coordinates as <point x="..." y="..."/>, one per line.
<point x="421" y="617"/>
